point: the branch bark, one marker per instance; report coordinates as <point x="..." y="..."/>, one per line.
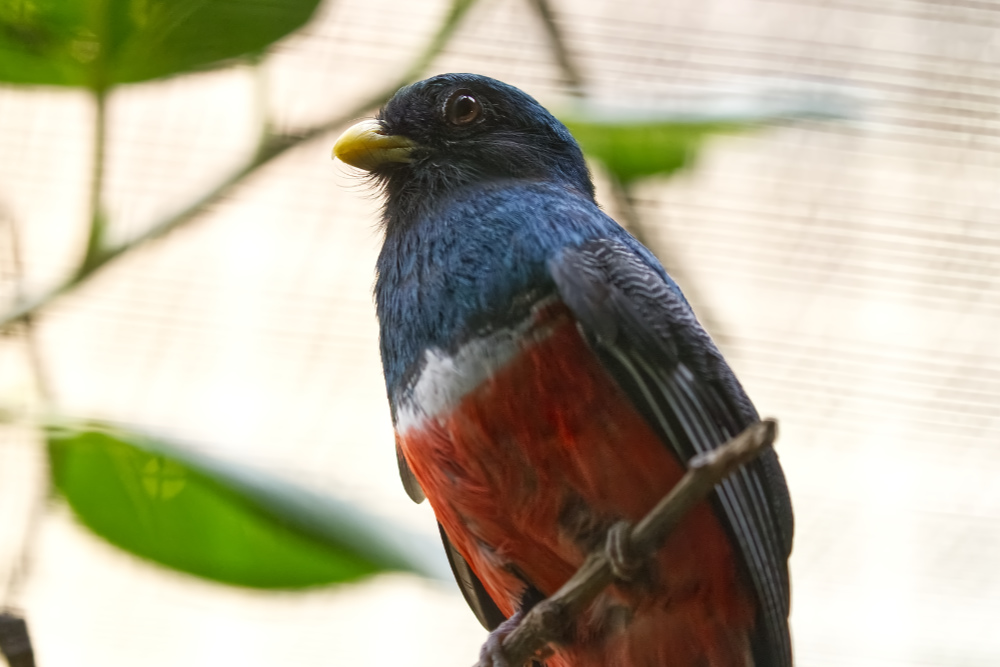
<point x="548" y="619"/>
<point x="15" y="644"/>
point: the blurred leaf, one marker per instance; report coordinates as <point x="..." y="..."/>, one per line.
<point x="645" y="138"/>
<point x="98" y="43"/>
<point x="218" y="520"/>
<point x="635" y="149"/>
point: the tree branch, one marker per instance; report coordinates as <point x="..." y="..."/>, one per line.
<point x="15" y="644"/>
<point x="548" y="619"/>
<point x="272" y="145"/>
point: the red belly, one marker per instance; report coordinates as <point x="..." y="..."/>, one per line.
<point x="528" y="471"/>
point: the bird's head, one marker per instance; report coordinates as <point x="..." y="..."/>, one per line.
<point x="437" y="136"/>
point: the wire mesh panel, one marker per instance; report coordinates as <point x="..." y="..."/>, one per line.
<point x="847" y="267"/>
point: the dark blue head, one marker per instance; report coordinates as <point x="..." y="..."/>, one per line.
<point x="442" y="134"/>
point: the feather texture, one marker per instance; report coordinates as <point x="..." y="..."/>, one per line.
<point x="651" y="343"/>
<point x="528" y="470"/>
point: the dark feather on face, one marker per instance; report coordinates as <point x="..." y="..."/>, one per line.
<point x="471" y="129"/>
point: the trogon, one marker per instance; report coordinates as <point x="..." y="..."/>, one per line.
<point x="547" y="379"/>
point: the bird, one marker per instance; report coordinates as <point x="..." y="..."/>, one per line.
<point x="547" y="379"/>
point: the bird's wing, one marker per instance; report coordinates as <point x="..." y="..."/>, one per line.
<point x="410" y="483"/>
<point x="647" y="338"/>
<point x="472" y="588"/>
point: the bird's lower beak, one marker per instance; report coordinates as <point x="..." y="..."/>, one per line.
<point x="367" y="146"/>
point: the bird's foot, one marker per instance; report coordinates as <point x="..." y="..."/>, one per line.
<point x="492" y="653"/>
<point x="625" y="564"/>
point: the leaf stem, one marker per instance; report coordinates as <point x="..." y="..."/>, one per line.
<point x="97" y="220"/>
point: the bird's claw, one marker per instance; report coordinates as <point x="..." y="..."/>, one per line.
<point x="625" y="566"/>
<point x="492" y="653"/>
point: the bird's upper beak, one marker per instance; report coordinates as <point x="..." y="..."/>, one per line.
<point x="367" y="146"/>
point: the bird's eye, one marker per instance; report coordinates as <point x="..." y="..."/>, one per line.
<point x="462" y="108"/>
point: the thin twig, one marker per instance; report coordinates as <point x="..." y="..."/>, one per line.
<point x="548" y="619"/>
<point x="21" y="567"/>
<point x="272" y="146"/>
<point x="558" y="43"/>
<point x="17" y="574"/>
<point x="41" y="376"/>
<point x="625" y="207"/>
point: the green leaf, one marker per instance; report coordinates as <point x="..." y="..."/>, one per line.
<point x="218" y="520"/>
<point x="637" y="141"/>
<point x="635" y="149"/>
<point x="99" y="43"/>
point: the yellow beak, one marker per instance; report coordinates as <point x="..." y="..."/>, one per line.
<point x="366" y="146"/>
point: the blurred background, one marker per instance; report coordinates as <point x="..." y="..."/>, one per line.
<point x="839" y="236"/>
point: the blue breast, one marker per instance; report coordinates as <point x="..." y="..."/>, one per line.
<point x="475" y="264"/>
